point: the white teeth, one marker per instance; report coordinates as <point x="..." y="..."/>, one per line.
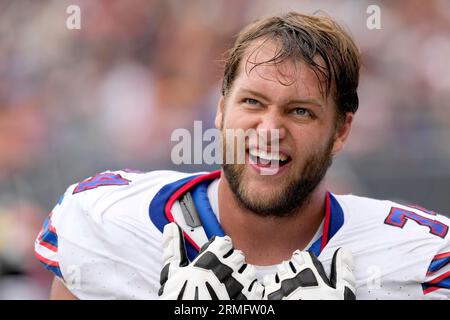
<point x="268" y="156"/>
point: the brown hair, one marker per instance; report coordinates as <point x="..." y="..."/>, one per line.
<point x="305" y="37"/>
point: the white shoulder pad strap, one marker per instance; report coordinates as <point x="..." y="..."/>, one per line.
<point x="186" y="216"/>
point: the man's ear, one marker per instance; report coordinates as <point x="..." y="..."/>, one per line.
<point x="220" y="112"/>
<point x="342" y="133"/>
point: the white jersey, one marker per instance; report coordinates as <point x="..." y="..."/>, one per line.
<point x="103" y="238"/>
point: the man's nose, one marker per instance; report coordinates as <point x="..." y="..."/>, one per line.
<point x="271" y="123"/>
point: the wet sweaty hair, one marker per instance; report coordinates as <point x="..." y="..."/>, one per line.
<point x="318" y="41"/>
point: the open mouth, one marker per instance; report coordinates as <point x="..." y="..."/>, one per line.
<point x="268" y="159"/>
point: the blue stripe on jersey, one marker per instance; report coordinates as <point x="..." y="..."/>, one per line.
<point x="55" y="270"/>
<point x="336" y="222"/>
<point x="315" y="247"/>
<point x="209" y="220"/>
<point x="60" y="199"/>
<point x="438" y="264"/>
<point x="47" y="235"/>
<point x="443" y="284"/>
<point x="336" y="216"/>
<point x="50" y="238"/>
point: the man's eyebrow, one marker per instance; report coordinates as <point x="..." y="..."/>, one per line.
<point x="254" y="93"/>
<point x="307" y="100"/>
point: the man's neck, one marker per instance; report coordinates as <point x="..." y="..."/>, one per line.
<point x="269" y="240"/>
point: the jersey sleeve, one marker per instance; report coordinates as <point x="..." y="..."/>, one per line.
<point x="99" y="239"/>
<point x="46" y="243"/>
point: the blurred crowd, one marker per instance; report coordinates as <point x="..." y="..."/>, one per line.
<point x="108" y="96"/>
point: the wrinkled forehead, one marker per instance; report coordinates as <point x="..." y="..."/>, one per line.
<point x="262" y="61"/>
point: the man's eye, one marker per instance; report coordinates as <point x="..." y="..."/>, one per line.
<point x="302" y="112"/>
<point x="251" y="101"/>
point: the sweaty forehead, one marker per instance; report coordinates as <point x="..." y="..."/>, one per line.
<point x="259" y="70"/>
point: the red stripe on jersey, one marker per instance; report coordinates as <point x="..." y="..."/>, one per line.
<point x="46" y="261"/>
<point x="326" y="225"/>
<point x="51" y="228"/>
<point x="431" y="289"/>
<point x="440" y="278"/>
<point x="442" y="255"/>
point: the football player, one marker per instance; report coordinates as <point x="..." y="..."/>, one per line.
<point x="240" y="234"/>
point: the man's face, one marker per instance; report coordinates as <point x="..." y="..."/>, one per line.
<point x="285" y="98"/>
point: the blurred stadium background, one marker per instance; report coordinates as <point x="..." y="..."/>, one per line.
<point x="77" y="102"/>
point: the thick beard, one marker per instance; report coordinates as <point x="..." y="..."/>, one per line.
<point x="296" y="194"/>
